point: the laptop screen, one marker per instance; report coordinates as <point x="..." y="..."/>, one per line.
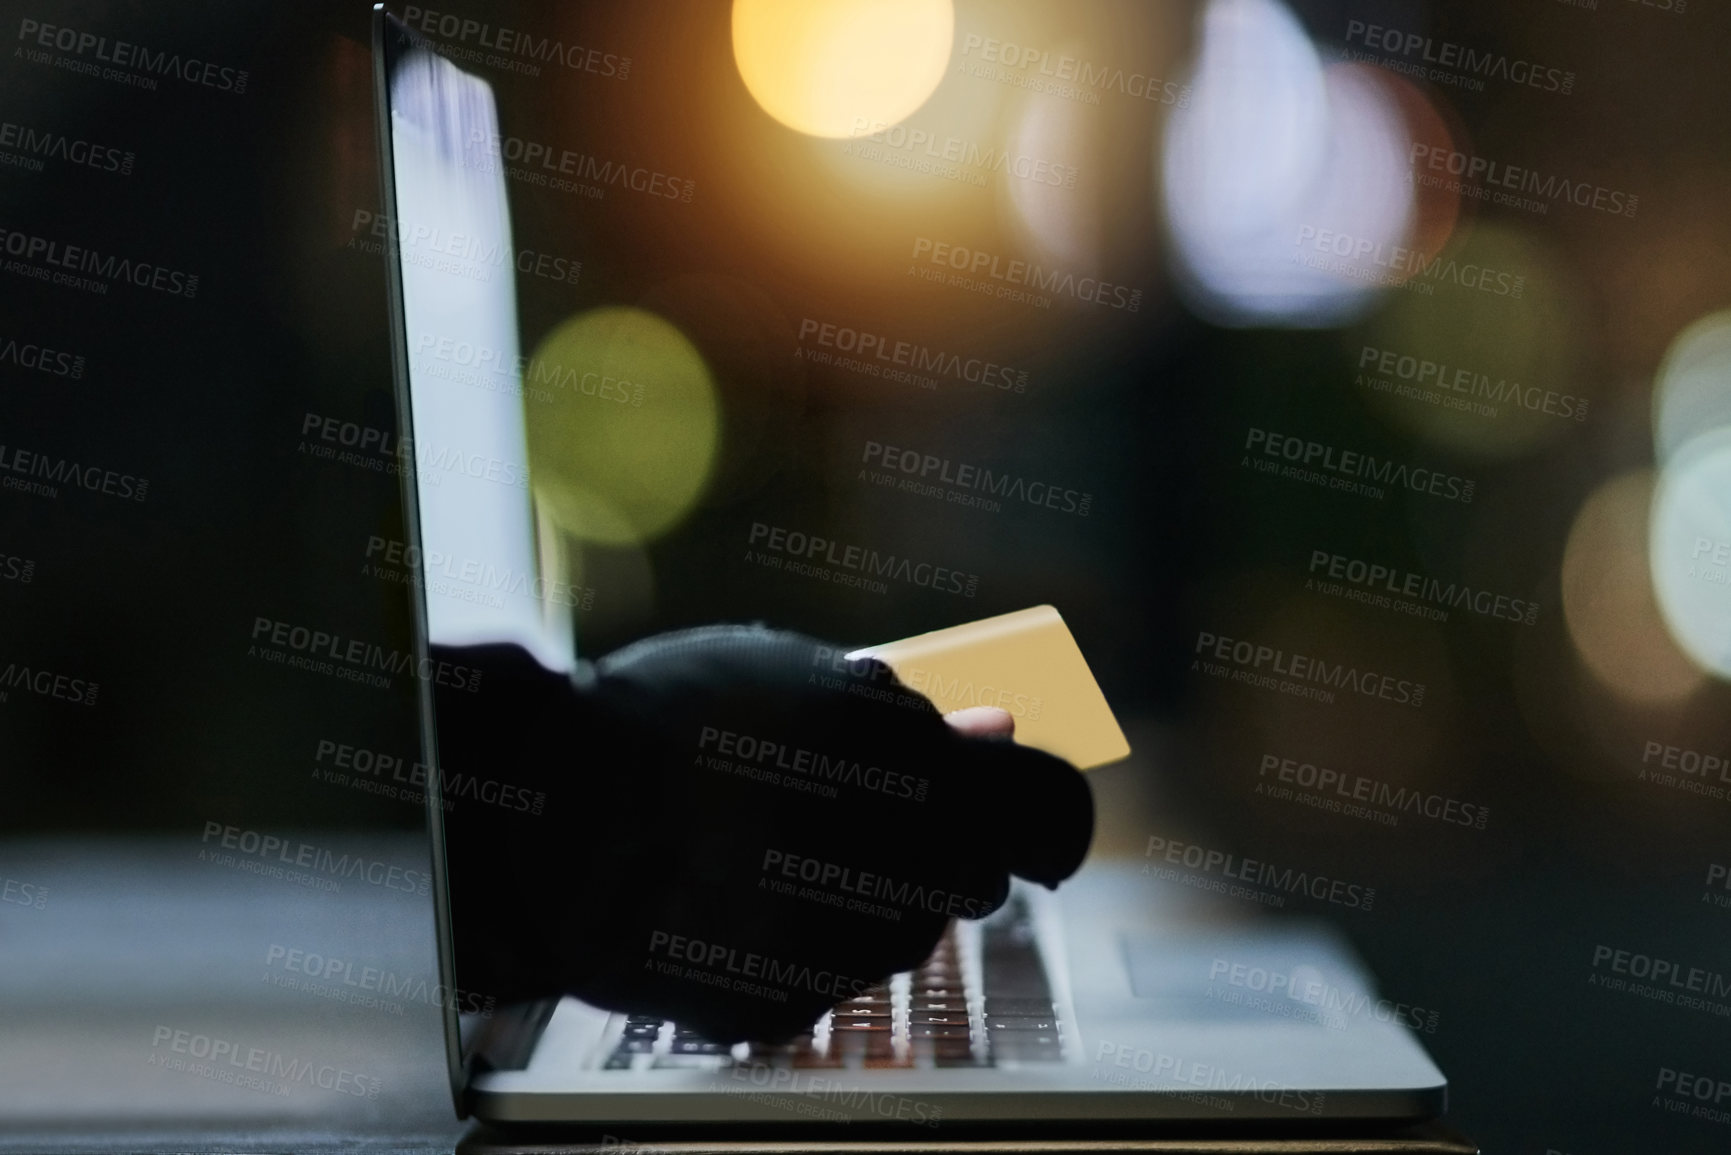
<point x="485" y="575"/>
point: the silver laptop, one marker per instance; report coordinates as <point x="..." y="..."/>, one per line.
<point x="1108" y="1000"/>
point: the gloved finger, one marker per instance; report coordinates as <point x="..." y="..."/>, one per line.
<point x="1035" y="811"/>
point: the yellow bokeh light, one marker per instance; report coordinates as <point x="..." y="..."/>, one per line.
<point x="835" y="68"/>
<point x="1608" y="597"/>
<point x="623" y="425"/>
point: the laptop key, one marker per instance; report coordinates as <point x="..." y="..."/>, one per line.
<point x="1026" y="1046"/>
<point x="939" y="1031"/>
<point x="859" y="1025"/>
<point x="998" y="1005"/>
<point x="949" y="1017"/>
<point x="699" y="1047"/>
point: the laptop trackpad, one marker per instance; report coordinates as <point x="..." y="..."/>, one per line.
<point x="1302" y="972"/>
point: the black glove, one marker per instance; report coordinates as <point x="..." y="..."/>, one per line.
<point x="740" y="828"/>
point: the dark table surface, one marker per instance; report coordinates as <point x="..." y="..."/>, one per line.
<point x="171" y="995"/>
<point x="137" y="941"/>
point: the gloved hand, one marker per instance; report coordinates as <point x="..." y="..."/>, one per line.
<point x="741" y="828"/>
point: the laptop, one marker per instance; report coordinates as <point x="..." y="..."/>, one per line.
<point x="1108" y="1000"/>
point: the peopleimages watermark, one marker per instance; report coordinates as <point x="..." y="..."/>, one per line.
<point x="492" y="370"/>
<point x="1454" y="387"/>
<point x="1391" y="588"/>
<point x="803" y="1093"/>
<point x="951" y="156"/>
<point x="369" y="987"/>
<point x="1661" y="980"/>
<point x="877" y="355"/>
<point x="1674" y="7"/>
<point x="927" y="475"/>
<point x="860" y="677"/>
<point x="1705" y="1097"/>
<point x="25" y="147"/>
<point x="17" y="569"/>
<point x="394" y="776"/>
<point x="1302" y="993"/>
<point x="1162" y="1070"/>
<point x="383" y="451"/>
<point x="316" y="867"/>
<point x="351" y="659"/>
<point x="1067" y="77"/>
<point x="1718" y="876"/>
<point x="1685" y="769"/>
<point x="510" y="49"/>
<point x="1347" y="470"/>
<point x="351" y="443"/>
<point x="1014" y="279"/>
<point x="1445" y="62"/>
<point x="797" y="552"/>
<point x="41" y="358"/>
<point x="471" y="255"/>
<point x="121" y="61"/>
<point x="81" y="267"/>
<point x="1266" y="667"/>
<point x="31" y="471"/>
<point x="746" y="972"/>
<point x="1708" y="561"/>
<point x="254" y="1068"/>
<point x="563" y="170"/>
<point x="860" y="891"/>
<point x="1381" y="264"/>
<point x="1671" y="7"/>
<point x="466" y="578"/>
<point x="1512" y="186"/>
<point x="1276" y="883"/>
<point x="20" y="893"/>
<point x="956" y="693"/>
<point x="780" y="764"/>
<point x="23" y="678"/>
<point x="1358" y="796"/>
<point x="921" y="688"/>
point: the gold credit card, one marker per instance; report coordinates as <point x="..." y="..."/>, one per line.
<point x="1025" y="662"/>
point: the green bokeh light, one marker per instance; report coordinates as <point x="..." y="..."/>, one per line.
<point x="623" y="425"/>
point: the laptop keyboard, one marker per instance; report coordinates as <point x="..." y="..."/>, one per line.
<point x="981" y="999"/>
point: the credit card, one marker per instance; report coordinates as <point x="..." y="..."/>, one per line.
<point x="1026" y="662"/>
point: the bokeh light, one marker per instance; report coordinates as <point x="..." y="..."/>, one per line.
<point x="1486" y="359"/>
<point x="1690" y="544"/>
<point x="1059" y="198"/>
<point x="1282" y="175"/>
<point x="1690" y="550"/>
<point x="1608" y="597"/>
<point x="625" y="425"/>
<point x="1692" y="393"/>
<point x="1430" y="130"/>
<point x="826" y="68"/>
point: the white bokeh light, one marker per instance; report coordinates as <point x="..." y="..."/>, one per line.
<point x="1690" y="549"/>
<point x="1275" y="147"/>
<point x="1692" y="393"/>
